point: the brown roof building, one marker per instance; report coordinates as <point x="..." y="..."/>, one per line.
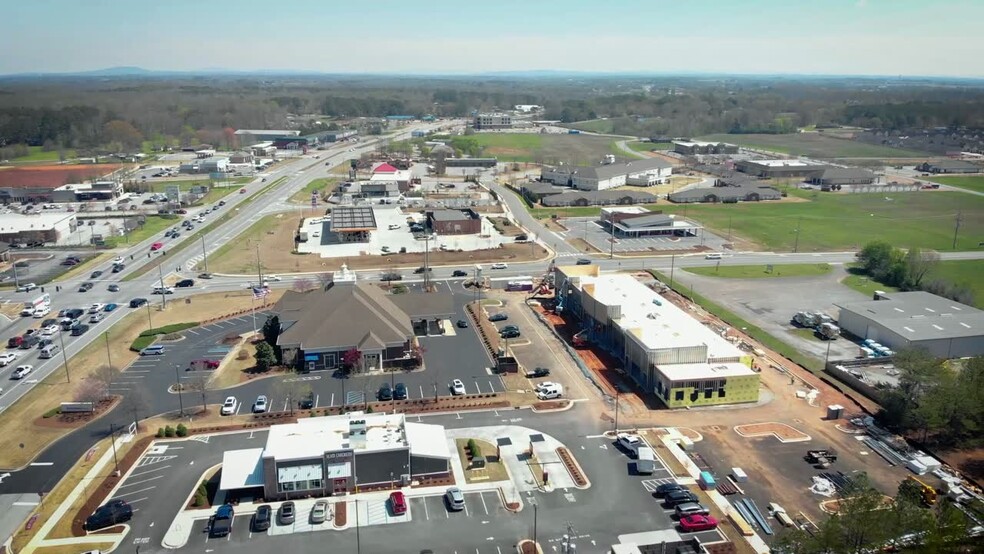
<point x="318" y="327"/>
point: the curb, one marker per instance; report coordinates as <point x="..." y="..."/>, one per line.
<point x="176" y="525"/>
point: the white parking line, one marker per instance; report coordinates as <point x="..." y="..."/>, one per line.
<point x="316" y="398"/>
<point x="482" y="496"/>
<point x="137" y="500"/>
<point x="192" y="331"/>
<point x="426" y="515"/>
<point x="149" y="471"/>
<point x="491" y="387"/>
<point x="147" y="480"/>
<point x="421" y="390"/>
<point x="332" y="400"/>
<point x="478" y="388"/>
<point x="137" y="491"/>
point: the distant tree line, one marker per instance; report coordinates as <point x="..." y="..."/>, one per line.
<point x="909" y="270"/>
<point x="122" y="112"/>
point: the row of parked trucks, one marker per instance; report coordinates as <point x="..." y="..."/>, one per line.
<point x="823" y="324"/>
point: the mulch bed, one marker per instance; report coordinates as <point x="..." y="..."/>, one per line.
<point x="572" y="467"/>
<point x="551" y="405"/>
<point x="98" y="494"/>
<point x="529" y="547"/>
<point x="341" y="514"/>
<point x="71" y="421"/>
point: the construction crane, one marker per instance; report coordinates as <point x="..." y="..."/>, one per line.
<point x="926" y="492"/>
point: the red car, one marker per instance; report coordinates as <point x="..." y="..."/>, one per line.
<point x="156" y="246"/>
<point x="698" y="522"/>
<point x="242" y="191"/>
<point x="398" y="502"/>
<point x="205" y="364"/>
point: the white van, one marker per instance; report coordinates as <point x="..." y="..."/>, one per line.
<point x="645" y="461"/>
<point x="49" y="351"/>
<point x="549" y="392"/>
<point x="153" y="350"/>
<point x="714" y="256"/>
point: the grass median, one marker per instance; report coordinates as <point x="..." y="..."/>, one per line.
<point x="148" y="337"/>
<point x="193" y="239"/>
<point x="754" y="331"/>
<point x="762" y="271"/>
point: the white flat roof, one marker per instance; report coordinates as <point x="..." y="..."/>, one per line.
<point x="653" y="320"/>
<point x="699" y="143"/>
<point x="428" y="440"/>
<point x="44" y="221"/>
<point x="781" y="163"/>
<point x="283" y="132"/>
<point x="312" y="437"/>
<point x="242" y="469"/>
<point x="626" y="210"/>
<point x="689" y="372"/>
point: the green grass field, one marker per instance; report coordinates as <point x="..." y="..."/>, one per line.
<point x="37" y="154"/>
<point x="649" y="146"/>
<point x="847" y="221"/>
<point x="761" y="271"/>
<point x="969" y="182"/>
<point x="215" y="194"/>
<point x="547" y="148"/>
<point x="576" y="211"/>
<point x="152" y="225"/>
<point x="303" y="196"/>
<point x="814" y="145"/>
<point x="594" y="125"/>
<point x="961" y="272"/>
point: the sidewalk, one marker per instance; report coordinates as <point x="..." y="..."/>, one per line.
<point x="39" y="540"/>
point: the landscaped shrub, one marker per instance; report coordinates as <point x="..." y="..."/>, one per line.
<point x="181" y="431"/>
<point x="160" y="433"/>
<point x="201" y="495"/>
<point x="52" y="412"/>
<point x="169" y="431"/>
<point x="474" y="449"/>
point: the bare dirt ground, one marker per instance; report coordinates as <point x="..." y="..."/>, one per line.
<point x="278" y="243"/>
<point x="781" y="431"/>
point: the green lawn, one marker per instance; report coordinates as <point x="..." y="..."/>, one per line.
<point x="761" y="271"/>
<point x="961" y="272"/>
<point x="649" y="146"/>
<point x="865" y="285"/>
<point x="847" y="221"/>
<point x="37" y="154"/>
<point x="152" y="225"/>
<point x="547" y="148"/>
<point x="219" y="190"/>
<point x="814" y="145"/>
<point x="234" y="247"/>
<point x="303" y="196"/>
<point x="969" y="182"/>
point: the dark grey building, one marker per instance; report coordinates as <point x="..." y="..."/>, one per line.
<point x="738" y="191"/>
<point x="599" y="198"/>
<point x="323" y="456"/>
<point x="949" y="166"/>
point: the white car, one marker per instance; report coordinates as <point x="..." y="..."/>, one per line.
<point x="21" y="371"/>
<point x="273" y="277"/>
<point x="229" y="406"/>
<point x="629" y="442"/>
<point x="163" y="290"/>
<point x="50" y="330"/>
<point x="96" y="308"/>
<point x="6" y="358"/>
<point x="546" y="385"/>
<point x="118" y="260"/>
<point x="457" y="387"/>
<point x="42" y="311"/>
<point x="96" y="317"/>
<point x="260" y="406"/>
<point x="500" y="265"/>
<point x="28" y="311"/>
<point x="27" y="287"/>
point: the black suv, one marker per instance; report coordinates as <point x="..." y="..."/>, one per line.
<point x="78" y="330"/>
<point x="85" y="287"/>
<point x="400" y="392"/>
<point x="185" y="283"/>
<point x="114" y="512"/>
<point x="459" y="273"/>
<point x="422" y="269"/>
<point x="679" y="497"/>
<point x="385" y="393"/>
<point x="262" y="517"/>
<point x="538" y="372"/>
<point x="137" y="302"/>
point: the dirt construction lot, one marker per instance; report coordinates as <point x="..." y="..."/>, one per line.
<point x="22" y="438"/>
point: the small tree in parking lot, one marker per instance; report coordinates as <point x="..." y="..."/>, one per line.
<point x="265" y="357"/>
<point x="351" y="358"/>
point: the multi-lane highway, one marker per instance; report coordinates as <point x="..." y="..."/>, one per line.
<point x="245" y="211"/>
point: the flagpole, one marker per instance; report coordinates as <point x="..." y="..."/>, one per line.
<point x="252" y="305"/>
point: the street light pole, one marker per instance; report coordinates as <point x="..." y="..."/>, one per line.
<point x="16" y="279"/>
<point x="177" y="383"/>
<point x="109" y="356"/>
<point x="112" y="439"/>
<point x="259" y="272"/>
<point x="150" y="322"/>
<point x="160" y="272"/>
<point x="204" y="254"/>
<point x="617" y="394"/>
<point x="61" y="339"/>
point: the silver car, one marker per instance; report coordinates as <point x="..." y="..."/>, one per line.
<point x="319" y="512"/>
<point x="455" y="499"/>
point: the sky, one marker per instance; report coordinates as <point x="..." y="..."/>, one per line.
<point x="816" y="37"/>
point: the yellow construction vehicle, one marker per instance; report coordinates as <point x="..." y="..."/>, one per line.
<point x="927" y="492"/>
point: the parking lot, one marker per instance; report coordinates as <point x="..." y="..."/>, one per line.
<point x="41" y="267"/>
<point x="165" y="476"/>
<point x="598" y="236"/>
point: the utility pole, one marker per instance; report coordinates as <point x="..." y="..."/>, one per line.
<point x="177" y="383"/>
<point x="204" y="254"/>
<point x="61" y="339"/>
<point x="112" y="438"/>
<point x="16" y="279"/>
<point x="534" y="525"/>
<point x="109" y="356"/>
<point x="150" y="322"/>
<point x="672" y="265"/>
<point x="956" y="229"/>
<point x="426" y="263"/>
<point x="259" y="272"/>
<point x="796" y="244"/>
<point x="611" y="224"/>
<point x="160" y="272"/>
